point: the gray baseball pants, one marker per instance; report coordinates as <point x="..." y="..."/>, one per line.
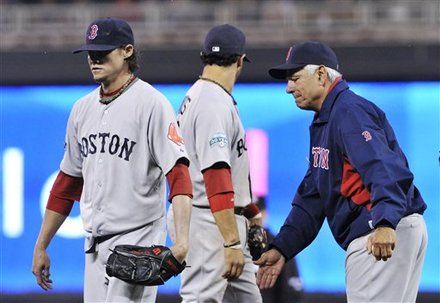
<point x="391" y="281"/>
<point x="98" y="287"/>
<point x="202" y="281"/>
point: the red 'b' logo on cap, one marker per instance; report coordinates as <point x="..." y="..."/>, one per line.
<point x="93" y="32"/>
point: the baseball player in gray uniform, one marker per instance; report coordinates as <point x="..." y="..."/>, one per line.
<point x="220" y="266"/>
<point x="122" y="140"/>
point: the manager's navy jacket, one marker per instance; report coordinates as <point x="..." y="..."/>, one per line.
<point x="358" y="176"/>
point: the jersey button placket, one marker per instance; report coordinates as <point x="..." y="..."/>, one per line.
<point x="104" y="122"/>
<point x="104" y="115"/>
<point x="99" y="187"/>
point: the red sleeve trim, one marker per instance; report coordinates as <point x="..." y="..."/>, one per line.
<point x="179" y="181"/>
<point x="67" y="187"/>
<point x="59" y="205"/>
<point x="217" y="181"/>
<point x="251" y="210"/>
<point x="221" y="201"/>
<point x="65" y="190"/>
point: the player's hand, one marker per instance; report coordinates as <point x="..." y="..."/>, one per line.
<point x="271" y="263"/>
<point x="234" y="263"/>
<point x="381" y="243"/>
<point x="41" y="268"/>
<point x="179" y="250"/>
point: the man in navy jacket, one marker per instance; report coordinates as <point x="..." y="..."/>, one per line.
<point x="358" y="178"/>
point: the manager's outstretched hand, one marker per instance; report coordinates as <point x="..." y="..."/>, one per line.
<point x="271" y="263"/>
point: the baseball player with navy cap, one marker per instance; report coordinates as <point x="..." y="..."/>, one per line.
<point x="358" y="179"/>
<point x="220" y="266"/>
<point x="224" y="40"/>
<point x="107" y="34"/>
<point x="122" y="141"/>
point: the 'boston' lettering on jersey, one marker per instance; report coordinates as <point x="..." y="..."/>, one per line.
<point x="320" y="157"/>
<point x="105" y="142"/>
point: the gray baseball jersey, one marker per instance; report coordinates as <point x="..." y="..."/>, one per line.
<point x="123" y="150"/>
<point x="213" y="133"/>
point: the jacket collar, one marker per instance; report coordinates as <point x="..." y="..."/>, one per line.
<point x="323" y="115"/>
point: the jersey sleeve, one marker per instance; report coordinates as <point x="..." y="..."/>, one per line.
<point x="213" y="134"/>
<point x="370" y="146"/>
<point x="304" y="220"/>
<point x="72" y="159"/>
<point x="164" y="138"/>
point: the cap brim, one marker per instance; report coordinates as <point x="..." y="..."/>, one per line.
<point x="95" y="47"/>
<point x="281" y="71"/>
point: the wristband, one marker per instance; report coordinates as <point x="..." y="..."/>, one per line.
<point x="251" y="210"/>
<point x="238" y="246"/>
<point x="231" y="245"/>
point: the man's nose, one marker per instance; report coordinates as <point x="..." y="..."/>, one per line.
<point x="290" y="87"/>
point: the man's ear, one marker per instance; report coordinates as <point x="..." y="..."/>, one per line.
<point x="240" y="61"/>
<point x="322" y="73"/>
<point x="128" y="51"/>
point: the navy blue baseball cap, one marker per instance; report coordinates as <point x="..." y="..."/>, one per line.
<point x="224" y="40"/>
<point x="107" y="34"/>
<point x="300" y="55"/>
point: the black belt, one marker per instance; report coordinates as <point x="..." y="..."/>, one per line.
<point x="238" y="210"/>
<point x="100" y="239"/>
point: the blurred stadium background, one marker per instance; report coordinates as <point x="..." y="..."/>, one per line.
<point x="389" y="51"/>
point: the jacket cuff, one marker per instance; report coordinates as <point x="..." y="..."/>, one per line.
<point x="284" y="247"/>
<point x="384" y="223"/>
<point x="273" y="246"/>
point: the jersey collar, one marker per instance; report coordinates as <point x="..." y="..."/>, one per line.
<point x="221" y="86"/>
<point x="109" y="97"/>
<point x="323" y="115"/>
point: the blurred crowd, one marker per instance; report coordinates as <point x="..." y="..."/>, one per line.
<point x="29" y="24"/>
<point x="142" y="1"/>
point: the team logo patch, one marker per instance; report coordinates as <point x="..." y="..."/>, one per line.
<point x="93" y="32"/>
<point x="173" y="135"/>
<point x="215" y="49"/>
<point x="366" y="134"/>
<point x="219" y="139"/>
